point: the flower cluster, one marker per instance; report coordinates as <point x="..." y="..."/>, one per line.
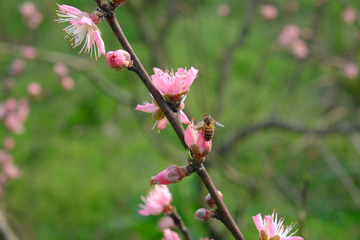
<point x="173" y="86"/>
<point x="272" y="228"/>
<point x="14" y="113"/>
<point x="9" y="170"/>
<point x="31" y="15"/>
<point x="290" y="38"/>
<point x="82" y="26"/>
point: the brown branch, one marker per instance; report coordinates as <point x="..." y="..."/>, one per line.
<point x="273" y="123"/>
<point x="174" y="120"/>
<point x="179" y="224"/>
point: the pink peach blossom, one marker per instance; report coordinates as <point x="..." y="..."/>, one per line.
<point x="158" y="115"/>
<point x="350" y="70"/>
<point x="34" y="89"/>
<point x="268" y="11"/>
<point x="289" y="34"/>
<point x="28" y="52"/>
<point x="174" y="84"/>
<point x="67" y="83"/>
<point x="172" y="174"/>
<point x="224" y="10"/>
<point x="82" y="26"/>
<point x="118" y="59"/>
<point x="17" y="67"/>
<point x="11" y="171"/>
<point x="270" y="227"/>
<point x="299" y="49"/>
<point x="170" y="235"/>
<point x="166" y="222"/>
<point x="60" y="70"/>
<point x="9" y="144"/>
<point x="31" y="15"/>
<point x="195" y="140"/>
<point x="157" y="201"/>
<point x="349" y="15"/>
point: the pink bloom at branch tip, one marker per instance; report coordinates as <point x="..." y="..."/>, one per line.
<point x="82" y="26"/>
<point x="272" y="228"/>
<point x="157" y="201"/>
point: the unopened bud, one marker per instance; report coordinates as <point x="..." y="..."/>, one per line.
<point x="118" y="59"/>
<point x="172" y="174"/>
<point x="34" y="89"/>
<point x="210" y="201"/>
<point x="202" y="215"/>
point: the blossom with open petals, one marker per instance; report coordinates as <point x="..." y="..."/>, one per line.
<point x="157" y="201"/>
<point x="174" y="85"/>
<point x="158" y="114"/>
<point x="170" y="235"/>
<point x="82" y="26"/>
<point x="271" y="228"/>
<point x="196" y="142"/>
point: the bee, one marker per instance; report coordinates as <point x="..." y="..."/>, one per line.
<point x="208" y="126"/>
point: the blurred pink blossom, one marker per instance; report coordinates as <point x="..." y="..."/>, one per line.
<point x="3" y="178"/>
<point x="172" y="174"/>
<point x="293" y="6"/>
<point x="9" y="144"/>
<point x="28" y="52"/>
<point x="8" y="83"/>
<point x="270" y="227"/>
<point x="289" y="34"/>
<point x="17" y="67"/>
<point x="223" y="10"/>
<point x="299" y="49"/>
<point x="349" y="15"/>
<point x="118" y="59"/>
<point x="34" y="89"/>
<point x="157" y="201"/>
<point x="268" y="11"/>
<point x="170" y="235"/>
<point x="67" y="83"/>
<point x="195" y="140"/>
<point x="166" y="222"/>
<point x="31" y="15"/>
<point x="60" y="70"/>
<point x="350" y="70"/>
<point x="11" y="171"/>
<point x="15" y="114"/>
<point x="82" y="25"/>
<point x="158" y="115"/>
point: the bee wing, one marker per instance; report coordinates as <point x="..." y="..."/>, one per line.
<point x="219" y="124"/>
<point x="200" y="124"/>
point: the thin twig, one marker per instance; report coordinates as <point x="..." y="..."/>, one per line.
<point x="180" y="224"/>
<point x="174" y="120"/>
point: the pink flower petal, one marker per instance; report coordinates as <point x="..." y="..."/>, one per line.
<point x="69" y="9"/>
<point x="189" y="135"/>
<point x="170" y="235"/>
<point x="184" y="118"/>
<point x="148" y="108"/>
<point x="162" y="123"/>
<point x="99" y="43"/>
<point x="270" y="227"/>
<point x="258" y="222"/>
<point x="160" y="83"/>
<point x="190" y="77"/>
<point x="292" y="238"/>
<point x="85" y="20"/>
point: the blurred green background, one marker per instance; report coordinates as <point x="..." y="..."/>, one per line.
<point x="86" y="157"/>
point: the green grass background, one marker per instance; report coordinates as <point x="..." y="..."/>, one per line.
<point x="86" y="159"/>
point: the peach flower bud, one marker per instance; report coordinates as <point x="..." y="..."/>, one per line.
<point x="17" y="67"/>
<point x="67" y="83"/>
<point x="202" y="215"/>
<point x="350" y="71"/>
<point x="210" y="201"/>
<point x="172" y="174"/>
<point x="34" y="89"/>
<point x="28" y="52"/>
<point x="349" y="15"/>
<point x="9" y="144"/>
<point x="118" y="59"/>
